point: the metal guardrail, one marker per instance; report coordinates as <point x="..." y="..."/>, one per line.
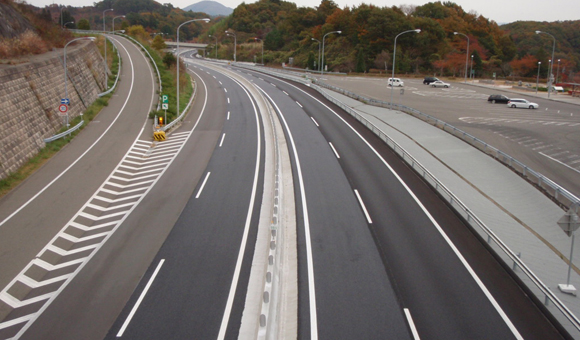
<point x="563" y="196"/>
<point x="118" y="72"/>
<point x="180" y="117"/>
<point x="538" y="288"/>
<point x="62" y="134"/>
<point x="152" y="61"/>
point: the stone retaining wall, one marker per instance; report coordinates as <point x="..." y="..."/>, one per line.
<point x="30" y="95"/>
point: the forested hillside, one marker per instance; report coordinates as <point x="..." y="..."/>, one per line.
<point x="367" y="36"/>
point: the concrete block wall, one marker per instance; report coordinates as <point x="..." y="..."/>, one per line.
<point x="30" y="94"/>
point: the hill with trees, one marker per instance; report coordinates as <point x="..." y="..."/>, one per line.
<point x="365" y="44"/>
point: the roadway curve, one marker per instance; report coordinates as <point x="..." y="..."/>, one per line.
<point x="111" y="197"/>
<point x="411" y="244"/>
<point x="199" y="290"/>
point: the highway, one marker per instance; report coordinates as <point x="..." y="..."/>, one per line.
<point x="545" y="139"/>
<point x="199" y="291"/>
<point x="140" y="240"/>
<point x="408" y="229"/>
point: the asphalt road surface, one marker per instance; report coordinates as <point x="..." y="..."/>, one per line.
<point x="402" y="232"/>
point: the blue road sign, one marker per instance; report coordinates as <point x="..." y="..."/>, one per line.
<point x="65" y="101"/>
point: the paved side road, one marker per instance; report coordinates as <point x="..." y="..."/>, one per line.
<point x="518" y="213"/>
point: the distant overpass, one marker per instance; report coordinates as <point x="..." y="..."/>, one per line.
<point x="182" y="44"/>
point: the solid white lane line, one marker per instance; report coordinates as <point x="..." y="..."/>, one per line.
<point x="475" y="277"/>
<point x="222" y="141"/>
<point x="309" y="260"/>
<point x="411" y="324"/>
<point x="202" y="185"/>
<point x="557" y="161"/>
<point x="333" y="149"/>
<point x="315" y="122"/>
<point x="299" y="104"/>
<point x="141" y="297"/>
<point x="364" y="208"/>
<point x="244" y="241"/>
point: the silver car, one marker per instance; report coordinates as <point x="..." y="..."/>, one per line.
<point x="439" y="83"/>
<point x="522" y="103"/>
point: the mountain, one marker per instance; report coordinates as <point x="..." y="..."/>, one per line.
<point x="212" y="8"/>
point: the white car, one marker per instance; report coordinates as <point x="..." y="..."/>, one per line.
<point x="439" y="83"/>
<point x="522" y="103"/>
<point x="395" y="82"/>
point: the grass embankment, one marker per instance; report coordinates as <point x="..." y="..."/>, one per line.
<point x="169" y="85"/>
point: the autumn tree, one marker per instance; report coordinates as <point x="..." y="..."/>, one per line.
<point x="524" y="66"/>
<point x="158" y="43"/>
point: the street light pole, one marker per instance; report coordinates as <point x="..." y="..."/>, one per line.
<point x="553" y="50"/>
<point x="105" y="39"/>
<point x="120" y="16"/>
<point x="65" y="71"/>
<point x="215" y="46"/>
<point x="466" y="55"/>
<point x="235" y="43"/>
<point x="558" y="72"/>
<point x="538" y="78"/>
<point x="395" y="56"/>
<point x="262" y="49"/>
<point x="187" y="22"/>
<point x="324" y="37"/>
<point x="319" y="45"/>
<point x="471" y="70"/>
<point x="61" y="20"/>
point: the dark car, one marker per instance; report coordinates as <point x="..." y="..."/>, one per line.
<point x="429" y="80"/>
<point x="498" y="98"/>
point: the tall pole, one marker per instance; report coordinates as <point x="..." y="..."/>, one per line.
<point x="233" y="34"/>
<point x="215" y="46"/>
<point x="319" y="45"/>
<point x="395" y="56"/>
<point x="120" y="16"/>
<point x="558" y="72"/>
<point x="187" y="22"/>
<point x="471" y="69"/>
<point x="105" y="38"/>
<point x="466" y="55"/>
<point x="61" y="20"/>
<point x="324" y="37"/>
<point x="65" y="71"/>
<point x="262" y="49"/>
<point x="553" y="50"/>
<point x="538" y="77"/>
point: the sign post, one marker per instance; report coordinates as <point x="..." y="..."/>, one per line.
<point x="569" y="223"/>
<point x="165" y="105"/>
<point x="63" y="108"/>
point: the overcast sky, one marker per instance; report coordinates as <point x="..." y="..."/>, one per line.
<point x="502" y="11"/>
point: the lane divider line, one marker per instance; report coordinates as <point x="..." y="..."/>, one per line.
<point x="222" y="141"/>
<point x="333" y="149"/>
<point x="202" y="185"/>
<point x="411" y="324"/>
<point x="141" y="297"/>
<point x="363" y="206"/>
<point x="315" y="122"/>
